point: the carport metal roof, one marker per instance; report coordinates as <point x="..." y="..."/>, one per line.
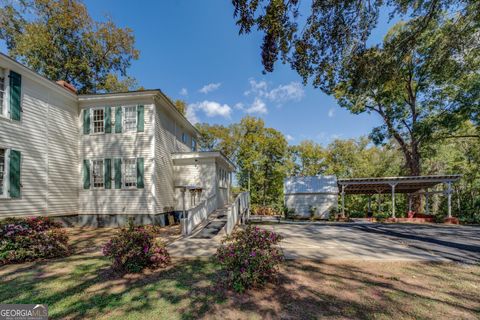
<point x="408" y="184"/>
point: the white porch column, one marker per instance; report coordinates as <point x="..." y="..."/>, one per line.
<point x="409" y="202"/>
<point x="427" y="206"/>
<point x="393" y="198"/>
<point x="343" y="201"/>
<point x="449" y="198"/>
<point x="369" y="204"/>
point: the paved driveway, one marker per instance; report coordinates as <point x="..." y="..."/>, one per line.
<point x="368" y="241"/>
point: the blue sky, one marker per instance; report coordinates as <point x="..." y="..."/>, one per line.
<point x="191" y="50"/>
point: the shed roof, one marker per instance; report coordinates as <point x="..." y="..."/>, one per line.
<point x="311" y="184"/>
<point x="408" y="184"/>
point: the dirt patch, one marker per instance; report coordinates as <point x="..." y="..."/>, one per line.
<point x="90" y="240"/>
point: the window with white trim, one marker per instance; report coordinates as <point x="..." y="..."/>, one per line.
<point x="130" y="173"/>
<point x="130" y="119"/>
<point x="98" y="120"/>
<point x="97" y="174"/>
<point x="3" y="166"/>
<point x="3" y="96"/>
<point x="194" y="145"/>
<point x="184" y="138"/>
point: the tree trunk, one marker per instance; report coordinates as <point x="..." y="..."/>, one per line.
<point x="413" y="160"/>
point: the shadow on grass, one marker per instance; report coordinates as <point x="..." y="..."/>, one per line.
<point x="83" y="286"/>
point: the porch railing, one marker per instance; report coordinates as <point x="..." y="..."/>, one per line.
<point x="239" y="211"/>
<point x="198" y="214"/>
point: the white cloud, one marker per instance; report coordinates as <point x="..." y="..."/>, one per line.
<point x="209" y="108"/>
<point x="331" y="112"/>
<point x="256" y="88"/>
<point x="239" y="106"/>
<point x="258" y="106"/>
<point x="261" y="92"/>
<point x="286" y="92"/>
<point x="289" y="137"/>
<point x="184" y="92"/>
<point x="191" y="115"/>
<point x="210" y="87"/>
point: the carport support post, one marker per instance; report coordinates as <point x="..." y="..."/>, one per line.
<point x="427" y="207"/>
<point x="409" y="202"/>
<point x="449" y="197"/>
<point x="393" y="198"/>
<point x="369" y="203"/>
<point x="343" y="201"/>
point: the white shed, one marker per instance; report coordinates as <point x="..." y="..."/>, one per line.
<point x="313" y="194"/>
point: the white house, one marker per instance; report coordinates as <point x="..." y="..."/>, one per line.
<point x="97" y="159"/>
<point x="315" y="195"/>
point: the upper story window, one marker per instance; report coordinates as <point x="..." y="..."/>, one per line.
<point x="97" y="174"/>
<point x="130" y="119"/>
<point x="194" y="145"/>
<point x="184" y="138"/>
<point x="3" y="88"/>
<point x="3" y="165"/>
<point x="98" y="120"/>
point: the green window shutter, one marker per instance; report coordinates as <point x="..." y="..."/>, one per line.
<point x="108" y="173"/>
<point x="15" y="163"/>
<point x="140" y="173"/>
<point x="140" y="118"/>
<point x="108" y="120"/>
<point x="15" y="96"/>
<point x="118" y="173"/>
<point x="86" y="174"/>
<point x="118" y="120"/>
<point x="86" y="121"/>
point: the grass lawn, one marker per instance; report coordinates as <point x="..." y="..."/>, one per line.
<point x="82" y="286"/>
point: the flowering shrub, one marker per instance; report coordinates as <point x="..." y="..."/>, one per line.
<point x="135" y="248"/>
<point x="27" y="239"/>
<point x="250" y="257"/>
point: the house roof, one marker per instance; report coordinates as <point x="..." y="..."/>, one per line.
<point x="205" y="155"/>
<point x="90" y="96"/>
<point x="311" y="184"/>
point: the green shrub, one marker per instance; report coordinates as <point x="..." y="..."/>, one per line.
<point x="135" y="248"/>
<point x="250" y="257"/>
<point x="29" y="239"/>
<point x="381" y="216"/>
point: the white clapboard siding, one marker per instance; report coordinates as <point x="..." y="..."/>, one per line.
<point x="201" y="174"/>
<point x="168" y="135"/>
<point x="118" y="145"/>
<point x="302" y="203"/>
<point x="47" y="139"/>
<point x="62" y="158"/>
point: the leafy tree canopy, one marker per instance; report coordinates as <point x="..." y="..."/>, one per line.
<point x="317" y="40"/>
<point x="59" y="39"/>
<point x="421" y="92"/>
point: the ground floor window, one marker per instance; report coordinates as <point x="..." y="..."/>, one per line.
<point x="130" y="173"/>
<point x="97" y="174"/>
<point x="122" y="173"/>
<point x="3" y="166"/>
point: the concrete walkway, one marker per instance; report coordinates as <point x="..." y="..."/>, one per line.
<point x="360" y="241"/>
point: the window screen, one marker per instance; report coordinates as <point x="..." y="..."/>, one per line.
<point x="130" y="166"/>
<point x="97" y="173"/>
<point x="130" y="119"/>
<point x="98" y="121"/>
